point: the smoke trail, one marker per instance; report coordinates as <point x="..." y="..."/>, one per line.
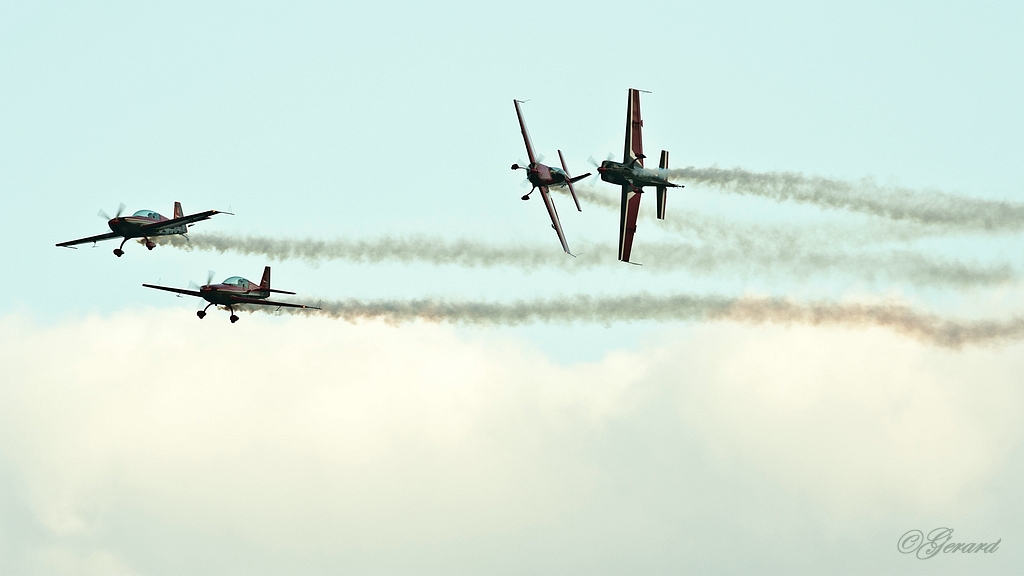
<point x="746" y="258"/>
<point x="406" y="249"/>
<point x="921" y="326"/>
<point x="695" y="224"/>
<point x="901" y="204"/>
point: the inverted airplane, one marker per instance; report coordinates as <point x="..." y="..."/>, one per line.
<point x="144" y="224"/>
<point x="632" y="176"/>
<point x="235" y="290"/>
<point x="542" y="177"/>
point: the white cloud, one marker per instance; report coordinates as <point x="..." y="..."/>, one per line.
<point x="318" y="445"/>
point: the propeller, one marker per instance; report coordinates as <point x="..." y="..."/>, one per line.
<point x="526" y="165"/>
<point x="596" y="164"/>
<point x="597" y="175"/>
<point x="103" y="214"/>
<point x="209" y="278"/>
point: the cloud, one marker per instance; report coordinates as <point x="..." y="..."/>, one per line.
<point x="306" y="445"/>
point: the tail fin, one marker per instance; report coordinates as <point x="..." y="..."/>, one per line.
<point x="662" y="190"/>
<point x="569" y="181"/>
<point x="177" y="210"/>
<point x="265" y="282"/>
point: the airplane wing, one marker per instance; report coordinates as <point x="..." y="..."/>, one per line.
<point x="627" y="220"/>
<point x="177" y="290"/>
<point x="554" y="217"/>
<point x="96" y="238"/>
<point x="634" y="129"/>
<point x="179" y="221"/>
<point x="243" y="300"/>
<point x="526" y="135"/>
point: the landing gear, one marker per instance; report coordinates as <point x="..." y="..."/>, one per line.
<point x="150" y="244"/>
<point x="202" y="313"/>
<point x="527" y="195"/>
<point x="118" y="251"/>
<point x="233" y="317"/>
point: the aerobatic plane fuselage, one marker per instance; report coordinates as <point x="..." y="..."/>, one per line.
<point x="633" y="174"/>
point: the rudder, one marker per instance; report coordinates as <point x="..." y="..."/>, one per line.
<point x="178" y="213"/>
<point x="265" y="282"/>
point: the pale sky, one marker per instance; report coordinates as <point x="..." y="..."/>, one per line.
<point x="137" y="439"/>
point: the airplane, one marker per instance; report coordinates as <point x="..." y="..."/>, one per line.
<point x="632" y="176"/>
<point x="143" y="224"/>
<point x="235" y="290"/>
<point x="542" y="176"/>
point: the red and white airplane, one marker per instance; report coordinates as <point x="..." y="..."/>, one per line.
<point x="235" y="290"/>
<point x="632" y="176"/>
<point x="144" y="224"/>
<point x="542" y="176"/>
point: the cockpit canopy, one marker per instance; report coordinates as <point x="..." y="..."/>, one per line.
<point x="237" y="281"/>
<point x="146" y="214"/>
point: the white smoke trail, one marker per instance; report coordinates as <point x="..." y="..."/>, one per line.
<point x="900" y="204"/>
<point x="754" y="258"/>
<point x="691" y="223"/>
<point x="925" y="327"/>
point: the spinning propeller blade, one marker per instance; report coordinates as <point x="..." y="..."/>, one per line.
<point x="103" y="214"/>
<point x="597" y="175"/>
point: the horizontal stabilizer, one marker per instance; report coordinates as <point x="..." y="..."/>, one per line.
<point x="662" y="190"/>
<point x="569" y="181"/>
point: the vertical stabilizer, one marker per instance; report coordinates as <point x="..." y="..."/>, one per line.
<point x="177" y="210"/>
<point x="265" y="282"/>
<point x="662" y="190"/>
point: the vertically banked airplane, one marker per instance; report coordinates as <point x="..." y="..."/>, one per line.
<point x="542" y="176"/>
<point x="235" y="290"/>
<point x="632" y="176"/>
<point x="143" y="224"/>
